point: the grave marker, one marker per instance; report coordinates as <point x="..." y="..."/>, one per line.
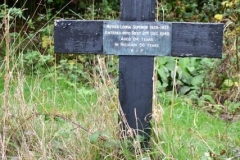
<point x="136" y="40"/>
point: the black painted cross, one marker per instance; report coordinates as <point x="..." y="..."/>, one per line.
<point x="137" y="40"/>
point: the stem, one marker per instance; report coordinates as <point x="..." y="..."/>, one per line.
<point x="6" y="82"/>
<point x="93" y="9"/>
<point x="238" y="66"/>
<point x="173" y="93"/>
<point x="237" y="58"/>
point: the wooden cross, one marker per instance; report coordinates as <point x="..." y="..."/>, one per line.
<point x="136" y="39"/>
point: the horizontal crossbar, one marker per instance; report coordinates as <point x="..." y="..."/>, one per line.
<point x="182" y="39"/>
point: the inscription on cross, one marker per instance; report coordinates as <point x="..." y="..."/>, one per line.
<point x="136" y="41"/>
<point x="143" y="38"/>
<point x="139" y="38"/>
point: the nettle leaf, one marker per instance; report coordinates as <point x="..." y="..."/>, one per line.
<point x="234" y="106"/>
<point x="184" y="89"/>
<point x="186" y="77"/>
<point x="208" y="98"/>
<point x="164" y="85"/>
<point x="94" y="137"/>
<point x="179" y="73"/>
<point x="191" y="69"/>
<point x="170" y="65"/>
<point x="197" y="80"/>
<point x="161" y="62"/>
<point x="162" y="73"/>
<point x="228" y="83"/>
<point x="183" y="63"/>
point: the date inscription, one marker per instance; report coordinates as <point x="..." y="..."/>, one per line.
<point x="137" y="38"/>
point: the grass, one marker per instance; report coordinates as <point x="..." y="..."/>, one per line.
<point x="195" y="133"/>
<point x="55" y="95"/>
<point x="49" y="118"/>
<point x="46" y="112"/>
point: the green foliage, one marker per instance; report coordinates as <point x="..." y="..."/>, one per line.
<point x="72" y="71"/>
<point x="47" y="116"/>
<point x="177" y="10"/>
<point x="188" y="129"/>
<point x="210" y="8"/>
<point x="193" y="10"/>
<point x="34" y="62"/>
<point x="225" y="77"/>
<point x="10" y="13"/>
<point x="211" y="83"/>
<point x="94" y="137"/>
<point x="194" y="77"/>
<point x="190" y="74"/>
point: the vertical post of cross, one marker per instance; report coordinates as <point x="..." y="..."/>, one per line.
<point x="135" y="74"/>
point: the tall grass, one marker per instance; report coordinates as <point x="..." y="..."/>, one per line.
<point x="48" y="118"/>
<point x="6" y="85"/>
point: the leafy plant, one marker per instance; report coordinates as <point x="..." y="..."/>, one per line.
<point x="74" y="71"/>
<point x="190" y="74"/>
<point x="12" y="13"/>
<point x="226" y="75"/>
<point x="34" y="62"/>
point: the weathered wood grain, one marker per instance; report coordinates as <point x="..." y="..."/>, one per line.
<point x="136" y="72"/>
<point x="74" y="36"/>
<point x="188" y="39"/>
<point x="197" y="40"/>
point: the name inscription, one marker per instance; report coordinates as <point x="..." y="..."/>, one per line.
<point x="137" y="38"/>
